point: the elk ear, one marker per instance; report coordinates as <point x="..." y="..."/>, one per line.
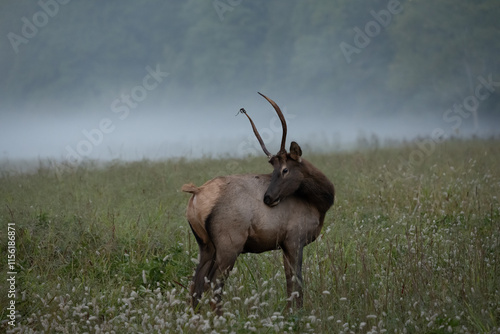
<point x="295" y="152"/>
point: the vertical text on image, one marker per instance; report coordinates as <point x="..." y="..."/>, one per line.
<point x="11" y="273"/>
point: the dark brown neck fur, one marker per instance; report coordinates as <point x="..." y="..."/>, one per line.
<point x="316" y="188"/>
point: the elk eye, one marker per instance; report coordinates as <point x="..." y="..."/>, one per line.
<point x="285" y="170"/>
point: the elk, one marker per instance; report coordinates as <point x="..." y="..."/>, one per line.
<point x="255" y="213"/>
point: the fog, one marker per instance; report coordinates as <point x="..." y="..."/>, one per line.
<point x="105" y="81"/>
<point x="196" y="135"/>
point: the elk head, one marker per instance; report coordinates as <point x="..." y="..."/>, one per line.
<point x="287" y="175"/>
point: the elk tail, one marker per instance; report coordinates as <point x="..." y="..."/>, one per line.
<point x="190" y="188"/>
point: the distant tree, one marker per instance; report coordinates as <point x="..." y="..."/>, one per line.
<point x="441" y="47"/>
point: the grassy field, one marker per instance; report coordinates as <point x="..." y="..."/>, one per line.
<point x="411" y="245"/>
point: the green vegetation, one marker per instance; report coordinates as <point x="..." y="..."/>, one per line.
<point x="109" y="249"/>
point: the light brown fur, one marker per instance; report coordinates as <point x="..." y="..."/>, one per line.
<point x="201" y="204"/>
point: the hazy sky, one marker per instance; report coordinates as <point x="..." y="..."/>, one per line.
<point x="78" y="86"/>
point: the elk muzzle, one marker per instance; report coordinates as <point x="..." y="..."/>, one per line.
<point x="270" y="201"/>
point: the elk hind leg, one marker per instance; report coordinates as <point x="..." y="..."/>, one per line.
<point x="218" y="274"/>
<point x="200" y="280"/>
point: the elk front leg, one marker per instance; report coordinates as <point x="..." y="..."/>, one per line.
<point x="292" y="260"/>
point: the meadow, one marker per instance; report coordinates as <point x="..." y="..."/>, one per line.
<point x="411" y="245"/>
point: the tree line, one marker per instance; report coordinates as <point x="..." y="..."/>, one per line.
<point x="380" y="56"/>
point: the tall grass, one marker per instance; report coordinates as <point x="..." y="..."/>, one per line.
<point x="108" y="249"/>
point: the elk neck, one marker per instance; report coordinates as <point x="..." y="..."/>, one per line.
<point x="316" y="188"/>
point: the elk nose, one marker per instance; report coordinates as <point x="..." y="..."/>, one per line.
<point x="267" y="200"/>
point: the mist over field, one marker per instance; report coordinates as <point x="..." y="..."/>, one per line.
<point x="121" y="80"/>
<point x="216" y="135"/>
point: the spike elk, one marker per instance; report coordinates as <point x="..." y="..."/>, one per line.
<point x="250" y="213"/>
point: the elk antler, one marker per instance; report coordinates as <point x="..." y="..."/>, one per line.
<point x="282" y="119"/>
<point x="259" y="138"/>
